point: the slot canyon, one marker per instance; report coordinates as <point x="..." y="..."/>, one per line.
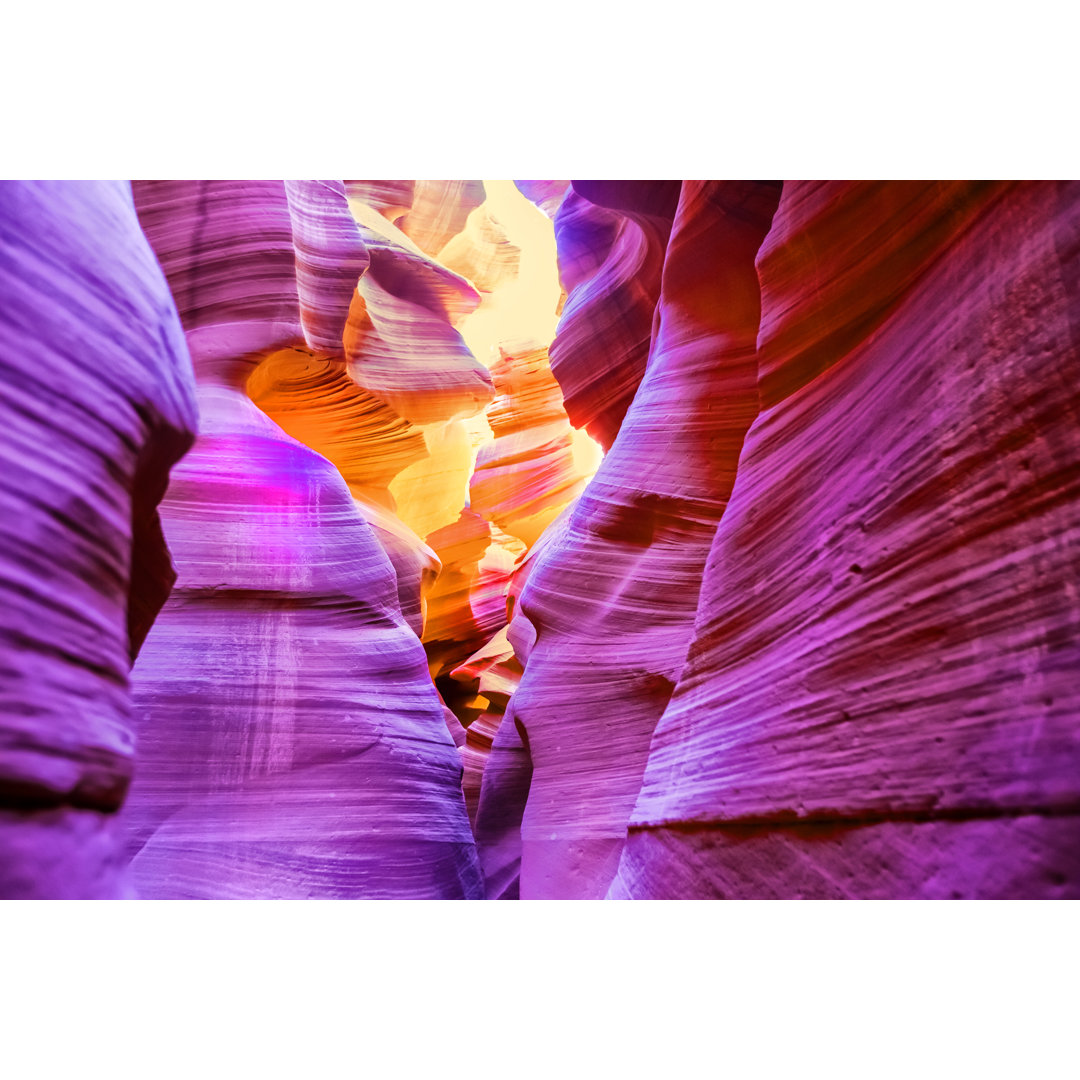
<point x="539" y="539"/>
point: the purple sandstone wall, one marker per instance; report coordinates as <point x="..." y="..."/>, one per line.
<point x="812" y="630"/>
<point x="96" y="403"/>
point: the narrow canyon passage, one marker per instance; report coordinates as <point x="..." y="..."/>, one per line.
<point x="541" y="539"/>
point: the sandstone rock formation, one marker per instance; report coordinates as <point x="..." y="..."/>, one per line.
<point x="880" y="700"/>
<point x="291" y="742"/>
<point x="533" y="467"/>
<point x="811" y="629"/>
<point x="96" y="404"/>
<point x="611" y="253"/>
<point x="611" y="601"/>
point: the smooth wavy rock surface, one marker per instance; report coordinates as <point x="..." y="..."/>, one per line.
<point x="227" y="251"/>
<point x="489" y="678"/>
<point x="391" y="198"/>
<point x="439" y="211"/>
<point x="330" y="258"/>
<point x="482" y="252"/>
<point x="546" y="194"/>
<point x="313" y="399"/>
<point x="881" y="697"/>
<point x="96" y="403"/>
<point x="291" y="741"/>
<point x="612" y="600"/>
<point x="466" y="606"/>
<point x="529" y="472"/>
<point x="611" y="272"/>
<point x="402" y="346"/>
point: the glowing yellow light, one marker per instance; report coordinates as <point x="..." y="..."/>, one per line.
<point x="522" y="309"/>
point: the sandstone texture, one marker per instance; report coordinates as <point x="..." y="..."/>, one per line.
<point x="611" y="599"/>
<point x="291" y="741"/>
<point x="96" y="403"/>
<point x="539" y="539"/>
<point x="880" y="699"/>
<point x="611" y="255"/>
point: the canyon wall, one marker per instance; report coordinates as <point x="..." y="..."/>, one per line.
<point x="811" y="629"/>
<point x="880" y="698"/>
<point x="97" y="402"/>
<point x="610" y="601"/>
<point x="877" y="695"/>
<point x="291" y="741"/>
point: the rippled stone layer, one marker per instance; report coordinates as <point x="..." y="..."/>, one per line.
<point x="612" y="277"/>
<point x="612" y="599"/>
<point x="313" y="399"/>
<point x="97" y="403"/>
<point x="291" y="741"/>
<point x="529" y="472"/>
<point x="402" y="347"/>
<point x="489" y="678"/>
<point x="880" y="698"/>
<point x="330" y="258"/>
<point x="439" y="211"/>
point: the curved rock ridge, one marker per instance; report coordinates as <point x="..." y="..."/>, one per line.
<point x="602" y="344"/>
<point x="488" y="680"/>
<point x="402" y="347"/>
<point x="584" y="236"/>
<point x="880" y="698"/>
<point x="291" y="741"/>
<point x="391" y="198"/>
<point x="466" y="606"/>
<point x="439" y="211"/>
<point x="312" y="398"/>
<point x="96" y="403"/>
<point x="226" y="248"/>
<point x="407" y="271"/>
<point x="482" y="252"/>
<point x="526" y="476"/>
<point x="612" y="601"/>
<point x="546" y="194"/>
<point x="330" y="258"/>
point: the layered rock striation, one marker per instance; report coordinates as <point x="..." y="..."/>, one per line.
<point x="291" y="742"/>
<point x="611" y="241"/>
<point x="96" y="403"/>
<point x="809" y="631"/>
<point x="880" y="697"/>
<point x="610" y="600"/>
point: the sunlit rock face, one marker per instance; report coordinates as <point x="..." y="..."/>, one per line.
<point x="546" y="194"/>
<point x="487" y="680"/>
<point x="611" y="239"/>
<point x="96" y="402"/>
<point x="439" y="210"/>
<point x="534" y="466"/>
<point x="611" y="600"/>
<point x="809" y="628"/>
<point x="291" y="743"/>
<point x="881" y="696"/>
